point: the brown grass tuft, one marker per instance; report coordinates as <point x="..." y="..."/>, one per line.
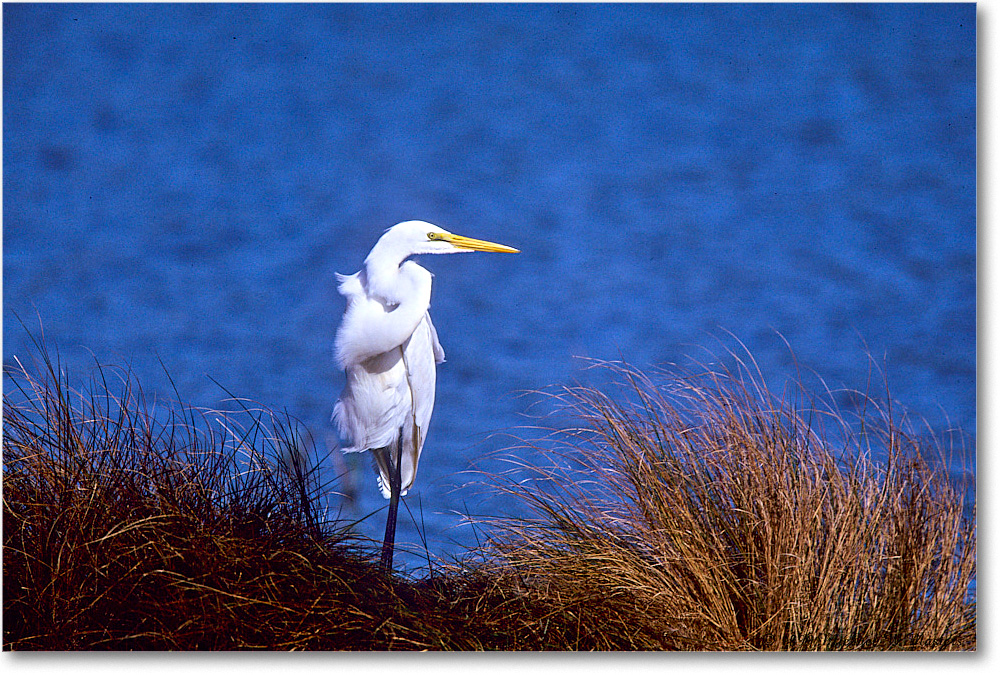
<point x="714" y="516"/>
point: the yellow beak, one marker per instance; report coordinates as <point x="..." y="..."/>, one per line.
<point x="459" y="241"/>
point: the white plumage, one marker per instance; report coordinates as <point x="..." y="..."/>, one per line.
<point x="389" y="348"/>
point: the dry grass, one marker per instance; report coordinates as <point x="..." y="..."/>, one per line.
<point x="716" y="517"/>
<point x="128" y="524"/>
<point x="706" y="516"/>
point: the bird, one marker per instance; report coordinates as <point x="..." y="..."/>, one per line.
<point x="389" y="350"/>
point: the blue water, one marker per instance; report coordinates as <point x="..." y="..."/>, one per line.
<point x="182" y="182"/>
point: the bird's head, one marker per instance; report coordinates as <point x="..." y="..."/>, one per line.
<point x="415" y="237"/>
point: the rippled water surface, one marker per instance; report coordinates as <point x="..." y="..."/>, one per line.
<point x="182" y="182"/>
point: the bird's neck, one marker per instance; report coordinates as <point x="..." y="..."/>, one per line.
<point x="382" y="278"/>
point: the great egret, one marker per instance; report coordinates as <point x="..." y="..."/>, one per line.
<point x="389" y="349"/>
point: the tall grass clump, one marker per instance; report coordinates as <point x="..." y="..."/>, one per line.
<point x="702" y="512"/>
<point x="131" y="525"/>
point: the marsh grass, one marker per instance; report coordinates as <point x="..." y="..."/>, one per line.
<point x="137" y="524"/>
<point x="689" y="513"/>
<point x="717" y="516"/>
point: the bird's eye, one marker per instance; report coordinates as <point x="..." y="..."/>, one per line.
<point x="433" y="235"/>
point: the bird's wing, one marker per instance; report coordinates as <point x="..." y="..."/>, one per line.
<point x="421" y="357"/>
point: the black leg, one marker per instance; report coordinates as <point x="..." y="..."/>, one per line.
<point x="395" y="487"/>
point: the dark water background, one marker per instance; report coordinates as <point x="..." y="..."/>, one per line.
<point x="182" y="182"/>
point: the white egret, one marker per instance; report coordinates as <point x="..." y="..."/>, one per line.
<point x="389" y="350"/>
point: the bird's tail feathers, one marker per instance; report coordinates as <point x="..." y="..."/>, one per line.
<point x="383" y="483"/>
